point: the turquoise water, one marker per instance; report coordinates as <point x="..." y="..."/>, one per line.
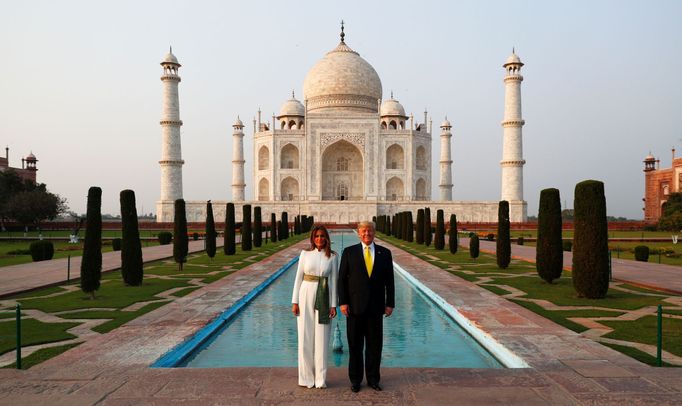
<point x="418" y="334"/>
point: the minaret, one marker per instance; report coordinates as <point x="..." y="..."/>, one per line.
<point x="238" y="184"/>
<point x="512" y="144"/>
<point x="171" y="156"/>
<point x="445" y="161"/>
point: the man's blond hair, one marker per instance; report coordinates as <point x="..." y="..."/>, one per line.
<point x="367" y="224"/>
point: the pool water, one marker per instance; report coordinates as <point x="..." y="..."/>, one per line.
<point x="264" y="334"/>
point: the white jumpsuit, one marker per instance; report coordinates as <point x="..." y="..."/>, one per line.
<point x="313" y="338"/>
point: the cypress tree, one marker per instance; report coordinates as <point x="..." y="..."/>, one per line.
<point x="394" y="228"/>
<point x="246" y="227"/>
<point x="257" y="227"/>
<point x="180" y="239"/>
<point x="453" y="240"/>
<point x="388" y="225"/>
<point x="427" y="227"/>
<point x="474" y="246"/>
<point x="304" y="224"/>
<point x="590" y="241"/>
<point x="439" y="240"/>
<point x="410" y="227"/>
<point x="285" y="226"/>
<point x="549" y="255"/>
<point x="131" y="249"/>
<point x="297" y="225"/>
<point x="91" y="264"/>
<point x="230" y="247"/>
<point x="503" y="243"/>
<point x="420" y="226"/>
<point x="210" y="231"/>
<point x="273" y="227"/>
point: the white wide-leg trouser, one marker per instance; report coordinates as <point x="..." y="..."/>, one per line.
<point x="313" y="340"/>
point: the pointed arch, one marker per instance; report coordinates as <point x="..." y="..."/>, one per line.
<point x="395" y="189"/>
<point x="420" y="189"/>
<point x="289" y="157"/>
<point x="289" y="189"/>
<point x="342" y="164"/>
<point x="421" y="158"/>
<point x="264" y="190"/>
<point x="263" y="158"/>
<point x="395" y="157"/>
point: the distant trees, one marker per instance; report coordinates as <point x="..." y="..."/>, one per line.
<point x="590" y="241"/>
<point x="210" y="231"/>
<point x="131" y="249"/>
<point x="230" y="247"/>
<point x="91" y="264"/>
<point x="439" y="240"/>
<point x="549" y="255"/>
<point x="453" y="238"/>
<point x="25" y="202"/>
<point x="671" y="217"/>
<point x="284" y="227"/>
<point x="503" y="243"/>
<point x="246" y="228"/>
<point x="180" y="239"/>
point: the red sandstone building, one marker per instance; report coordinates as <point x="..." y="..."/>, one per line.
<point x="28" y="166"/>
<point x="659" y="184"/>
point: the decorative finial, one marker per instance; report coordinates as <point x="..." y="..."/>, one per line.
<point x="446" y="117"/>
<point x="342" y="34"/>
<point x="293" y="96"/>
<point x="513" y="50"/>
<point x="391" y="94"/>
<point x="170" y="49"/>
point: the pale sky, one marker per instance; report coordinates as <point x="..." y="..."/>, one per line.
<point x="79" y="86"/>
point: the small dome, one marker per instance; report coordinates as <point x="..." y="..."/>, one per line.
<point x="445" y="123"/>
<point x="513" y="59"/>
<point x="392" y="107"/>
<point x="292" y="107"/>
<point x="238" y="123"/>
<point x="170" y="58"/>
<point x="31" y="157"/>
<point x="649" y="158"/>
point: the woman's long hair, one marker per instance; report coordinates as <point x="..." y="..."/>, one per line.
<point x="328" y="246"/>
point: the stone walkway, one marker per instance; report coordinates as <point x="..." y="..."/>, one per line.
<point x="25" y="277"/>
<point x="565" y="368"/>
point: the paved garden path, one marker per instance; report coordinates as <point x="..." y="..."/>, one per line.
<point x="565" y="368"/>
<point x="24" y="277"/>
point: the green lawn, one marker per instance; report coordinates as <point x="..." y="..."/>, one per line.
<point x="113" y="296"/>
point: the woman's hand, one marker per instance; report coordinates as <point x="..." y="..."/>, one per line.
<point x="332" y="312"/>
<point x="294" y="309"/>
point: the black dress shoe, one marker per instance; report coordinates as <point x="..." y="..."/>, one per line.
<point x="375" y="386"/>
<point x="355" y="388"/>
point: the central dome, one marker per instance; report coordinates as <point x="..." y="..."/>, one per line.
<point x="342" y="80"/>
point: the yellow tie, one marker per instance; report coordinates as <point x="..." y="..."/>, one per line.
<point x="368" y="261"/>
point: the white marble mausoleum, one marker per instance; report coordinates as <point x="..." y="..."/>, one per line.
<point x="343" y="153"/>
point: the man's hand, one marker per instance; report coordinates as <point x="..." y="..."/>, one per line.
<point x="388" y="311"/>
<point x="332" y="312"/>
<point x="344" y="310"/>
<point x="294" y="309"/>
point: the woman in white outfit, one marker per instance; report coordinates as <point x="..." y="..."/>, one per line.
<point x="314" y="303"/>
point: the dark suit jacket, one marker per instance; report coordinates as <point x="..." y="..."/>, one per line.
<point x="357" y="289"/>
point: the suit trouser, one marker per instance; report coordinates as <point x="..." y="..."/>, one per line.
<point x="365" y="330"/>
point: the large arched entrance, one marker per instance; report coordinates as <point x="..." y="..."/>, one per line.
<point x="342" y="172"/>
<point x="289" y="189"/>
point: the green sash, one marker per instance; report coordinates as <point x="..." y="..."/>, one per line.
<point x="322" y="300"/>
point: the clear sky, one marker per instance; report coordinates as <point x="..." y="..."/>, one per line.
<point x="79" y="86"/>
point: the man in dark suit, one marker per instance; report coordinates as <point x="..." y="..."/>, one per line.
<point x="366" y="295"/>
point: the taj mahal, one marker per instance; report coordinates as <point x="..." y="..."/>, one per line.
<point x="344" y="153"/>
